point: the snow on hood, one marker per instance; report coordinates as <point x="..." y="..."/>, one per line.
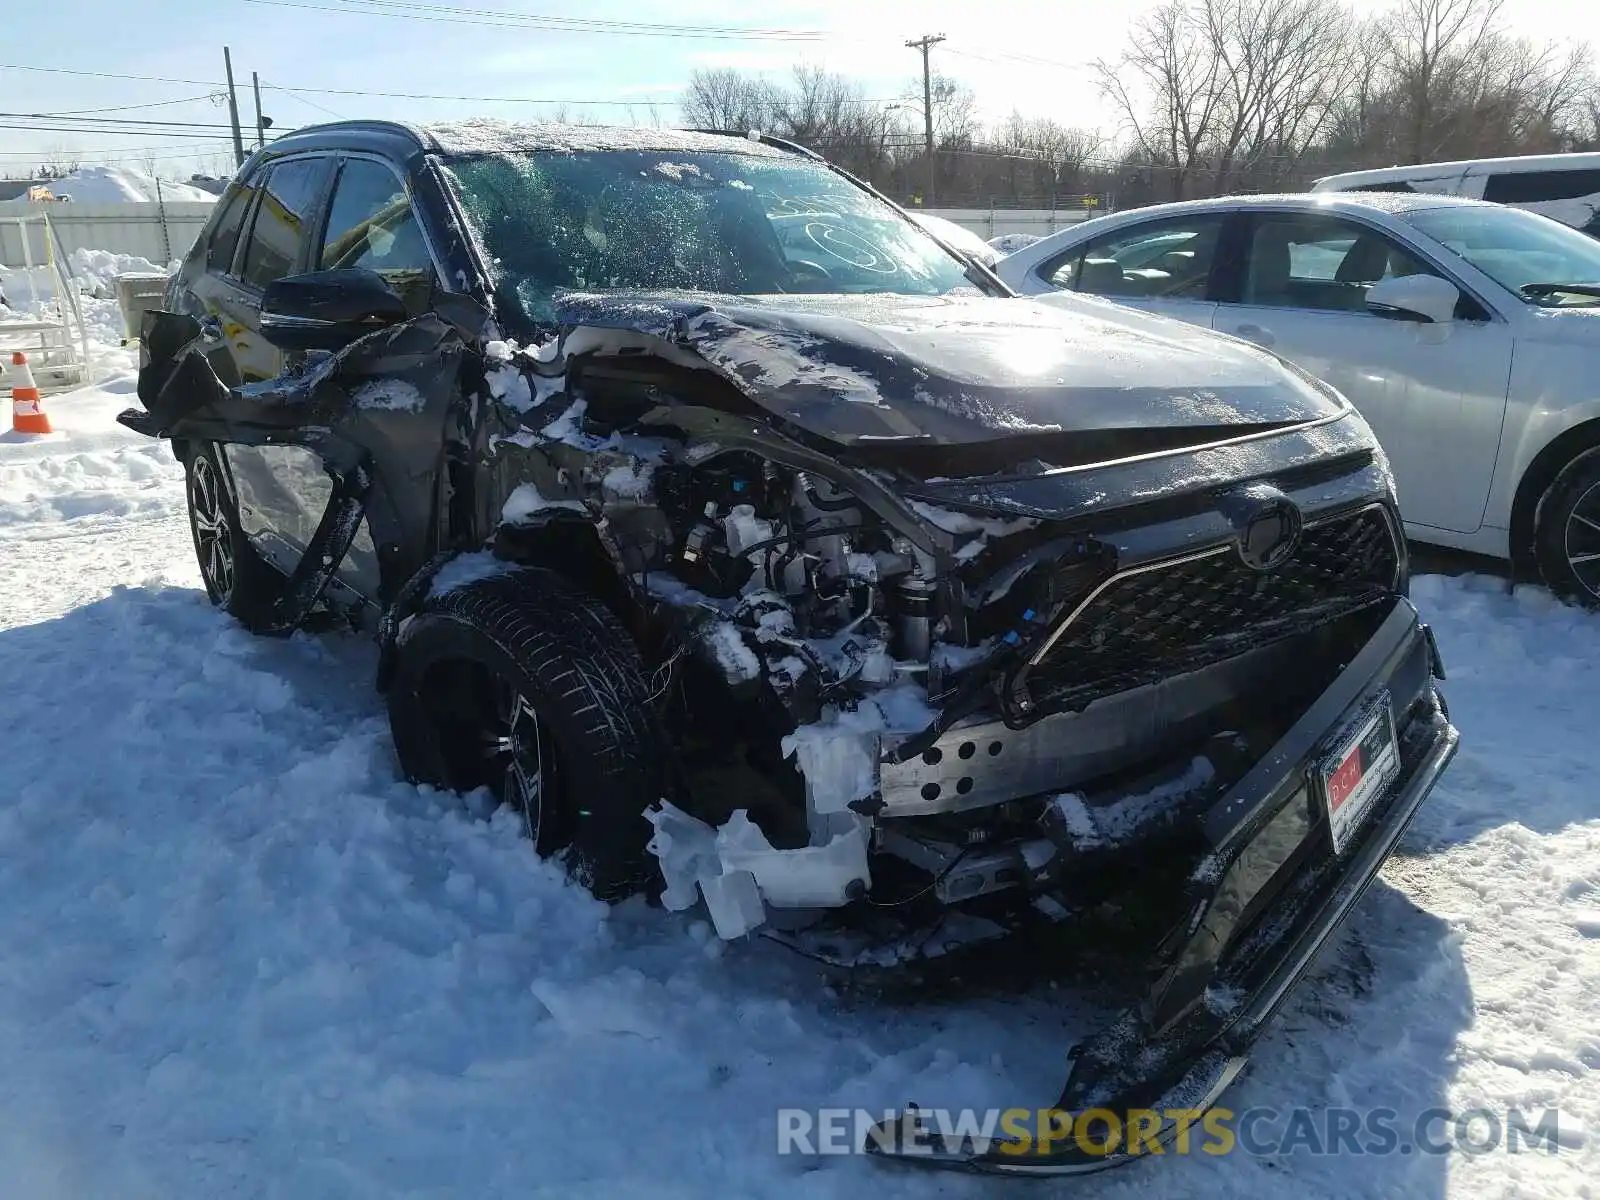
<point x="484" y="135"/>
<point x="956" y="370"/>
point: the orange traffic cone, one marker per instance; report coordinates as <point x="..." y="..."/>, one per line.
<point x="27" y="413"/>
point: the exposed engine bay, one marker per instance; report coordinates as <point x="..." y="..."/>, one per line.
<point x="878" y="698"/>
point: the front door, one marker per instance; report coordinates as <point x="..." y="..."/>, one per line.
<point x="1434" y="394"/>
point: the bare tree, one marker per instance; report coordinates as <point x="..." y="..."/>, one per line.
<point x="59" y="159"/>
<point x="1229" y="92"/>
<point x="727" y="99"/>
<point x="1165" y="85"/>
<point x="1430" y="47"/>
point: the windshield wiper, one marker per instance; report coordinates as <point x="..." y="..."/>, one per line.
<point x="1535" y="290"/>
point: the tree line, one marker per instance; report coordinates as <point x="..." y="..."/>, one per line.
<point x="1213" y="97"/>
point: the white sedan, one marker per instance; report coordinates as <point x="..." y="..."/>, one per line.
<point x="1468" y="335"/>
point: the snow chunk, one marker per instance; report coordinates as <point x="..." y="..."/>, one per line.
<point x="394" y="394"/>
<point x="467" y="569"/>
<point x="676" y="171"/>
<point x="726" y="643"/>
<point x="527" y="500"/>
<point x="959" y="522"/>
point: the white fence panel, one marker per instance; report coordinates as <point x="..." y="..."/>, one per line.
<point x="159" y="232"/>
<point x="991" y="222"/>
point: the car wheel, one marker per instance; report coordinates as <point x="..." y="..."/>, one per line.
<point x="525" y="685"/>
<point x="1567" y="540"/>
<point x="236" y="577"/>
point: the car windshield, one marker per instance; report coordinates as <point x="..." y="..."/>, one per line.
<point x="554" y="221"/>
<point x="1526" y="253"/>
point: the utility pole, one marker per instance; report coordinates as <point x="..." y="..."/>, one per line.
<point x="261" y="125"/>
<point x="925" y="44"/>
<point x="233" y="110"/>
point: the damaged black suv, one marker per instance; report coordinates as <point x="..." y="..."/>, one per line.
<point x="766" y="553"/>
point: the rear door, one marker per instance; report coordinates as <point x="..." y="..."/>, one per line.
<point x="1435" y="395"/>
<point x="1162" y="266"/>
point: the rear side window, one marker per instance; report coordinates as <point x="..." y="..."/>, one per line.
<point x="282" y="219"/>
<point x="225" y="234"/>
<point x="1170" y="259"/>
<point x="1397" y="185"/>
<point x="1529" y="187"/>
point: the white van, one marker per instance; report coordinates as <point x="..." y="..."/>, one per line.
<point x="1563" y="186"/>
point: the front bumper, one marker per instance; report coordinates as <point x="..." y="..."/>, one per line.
<point x="1261" y="904"/>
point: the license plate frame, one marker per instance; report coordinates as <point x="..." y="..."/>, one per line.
<point x="1360" y="766"/>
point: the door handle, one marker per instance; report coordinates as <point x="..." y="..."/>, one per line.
<point x="1258" y="334"/>
<point x="211" y="329"/>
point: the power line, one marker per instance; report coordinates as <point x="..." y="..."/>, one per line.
<point x="322" y="108"/>
<point x="213" y="83"/>
<point x="143" y="122"/>
<point x="83" y="112"/>
<point x="503" y="20"/>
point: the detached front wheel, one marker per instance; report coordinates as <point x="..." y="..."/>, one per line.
<point x="524" y="684"/>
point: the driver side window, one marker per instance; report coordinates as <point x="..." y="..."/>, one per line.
<point x="371" y="225"/>
<point x="1166" y="259"/>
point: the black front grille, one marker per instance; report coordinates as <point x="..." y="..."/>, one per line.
<point x="1151" y="624"/>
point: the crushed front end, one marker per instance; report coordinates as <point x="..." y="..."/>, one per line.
<point x="921" y="694"/>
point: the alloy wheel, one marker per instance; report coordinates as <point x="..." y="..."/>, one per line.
<point x="1582" y="541"/>
<point x="213" y="534"/>
<point x="516" y="743"/>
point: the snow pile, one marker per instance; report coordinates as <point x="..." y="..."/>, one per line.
<point x="122" y="185"/>
<point x="240" y="954"/>
<point x="97" y="270"/>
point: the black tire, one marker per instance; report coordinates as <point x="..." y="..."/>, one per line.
<point x="1567" y="540"/>
<point x="477" y="662"/>
<point x="237" y="579"/>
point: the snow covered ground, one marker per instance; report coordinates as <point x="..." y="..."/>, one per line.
<point x="240" y="957"/>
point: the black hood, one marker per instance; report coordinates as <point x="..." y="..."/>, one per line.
<point x="959" y="370"/>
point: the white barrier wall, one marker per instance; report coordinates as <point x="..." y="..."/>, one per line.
<point x="159" y="232"/>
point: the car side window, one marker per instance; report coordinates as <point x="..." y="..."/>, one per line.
<point x="1169" y="259"/>
<point x="225" y="234"/>
<point x="1530" y="187"/>
<point x="1317" y="262"/>
<point x="372" y="225"/>
<point x="283" y="216"/>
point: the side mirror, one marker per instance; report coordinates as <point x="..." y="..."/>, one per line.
<point x="327" y="310"/>
<point x="1425" y="298"/>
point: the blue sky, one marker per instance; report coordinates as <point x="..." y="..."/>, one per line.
<point x="1030" y="55"/>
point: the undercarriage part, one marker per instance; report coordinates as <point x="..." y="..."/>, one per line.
<point x="963" y="873"/>
<point x="914" y="619"/>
